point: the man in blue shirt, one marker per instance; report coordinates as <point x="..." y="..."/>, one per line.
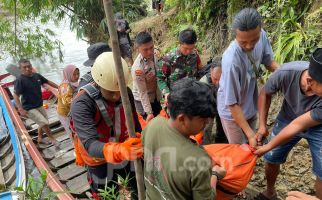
<point x="237" y="94"/>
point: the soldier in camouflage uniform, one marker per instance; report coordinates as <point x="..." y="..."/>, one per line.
<point x="182" y="61"/>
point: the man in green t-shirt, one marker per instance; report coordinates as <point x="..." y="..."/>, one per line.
<point x="175" y="167"/>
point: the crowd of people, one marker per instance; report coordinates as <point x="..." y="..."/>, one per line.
<point x="92" y="112"/>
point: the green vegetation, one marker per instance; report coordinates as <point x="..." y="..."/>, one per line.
<point x="86" y="18"/>
<point x="36" y="186"/>
<point x="2" y="188"/>
<point x="293" y="26"/>
<point x="113" y="192"/>
<point x="35" y="189"/>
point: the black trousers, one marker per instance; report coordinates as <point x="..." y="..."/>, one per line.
<point x="220" y="135"/>
<point x="212" y="138"/>
<point x="156" y="108"/>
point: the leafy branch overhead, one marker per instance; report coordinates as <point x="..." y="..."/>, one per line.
<point x="293" y="26"/>
<point x="86" y="17"/>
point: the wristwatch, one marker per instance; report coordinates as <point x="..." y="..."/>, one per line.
<point x="219" y="176"/>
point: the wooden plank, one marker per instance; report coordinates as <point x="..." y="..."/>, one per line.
<point x="54" y="184"/>
<point x="5" y="149"/>
<point x="2" y="182"/>
<point x="52" y="152"/>
<point x="62" y="137"/>
<point x="4" y="140"/>
<point x="78" y="185"/>
<point x="7" y="161"/>
<point x="57" y="129"/>
<point x="62" y="160"/>
<point x="10" y="175"/>
<point x="70" y="171"/>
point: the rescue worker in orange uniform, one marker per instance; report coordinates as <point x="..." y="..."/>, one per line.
<point x="101" y="138"/>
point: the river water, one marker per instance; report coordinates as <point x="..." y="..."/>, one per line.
<point x="74" y="52"/>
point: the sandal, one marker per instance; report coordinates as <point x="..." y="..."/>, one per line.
<point x="242" y="194"/>
<point x="44" y="142"/>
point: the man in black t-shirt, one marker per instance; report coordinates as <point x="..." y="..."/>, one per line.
<point x="28" y="86"/>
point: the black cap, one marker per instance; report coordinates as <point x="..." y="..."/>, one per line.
<point x="315" y="67"/>
<point x="94" y="51"/>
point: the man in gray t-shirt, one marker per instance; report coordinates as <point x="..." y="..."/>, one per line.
<point x="300" y="117"/>
<point x="237" y="94"/>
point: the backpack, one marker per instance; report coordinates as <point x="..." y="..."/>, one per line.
<point x="205" y="69"/>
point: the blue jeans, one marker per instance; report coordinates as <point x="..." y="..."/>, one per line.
<point x="313" y="135"/>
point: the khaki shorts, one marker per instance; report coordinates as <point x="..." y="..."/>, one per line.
<point x="234" y="133"/>
<point x="39" y="116"/>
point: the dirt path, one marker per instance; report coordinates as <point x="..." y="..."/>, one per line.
<point x="295" y="174"/>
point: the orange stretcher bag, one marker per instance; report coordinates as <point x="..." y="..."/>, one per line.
<point x="239" y="162"/>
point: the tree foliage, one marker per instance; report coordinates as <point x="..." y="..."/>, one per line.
<point x="27" y="40"/>
<point x="86" y="18"/>
<point x="293" y="25"/>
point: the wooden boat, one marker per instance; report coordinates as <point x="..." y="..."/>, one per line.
<point x="64" y="177"/>
<point x="12" y="166"/>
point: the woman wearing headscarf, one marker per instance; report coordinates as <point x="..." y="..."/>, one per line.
<point x="65" y="94"/>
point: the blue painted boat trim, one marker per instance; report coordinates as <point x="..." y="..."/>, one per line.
<point x="14" y="142"/>
<point x="6" y="196"/>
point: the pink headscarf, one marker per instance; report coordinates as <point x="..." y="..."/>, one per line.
<point x="68" y="75"/>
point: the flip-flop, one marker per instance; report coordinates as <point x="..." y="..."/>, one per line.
<point x="261" y="196"/>
<point x="242" y="194"/>
<point x="44" y="142"/>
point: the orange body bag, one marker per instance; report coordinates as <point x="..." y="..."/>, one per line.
<point x="239" y="162"/>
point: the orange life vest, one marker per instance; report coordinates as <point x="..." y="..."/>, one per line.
<point x="115" y="132"/>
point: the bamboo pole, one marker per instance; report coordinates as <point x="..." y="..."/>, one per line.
<point x="124" y="94"/>
<point x="15" y="27"/>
